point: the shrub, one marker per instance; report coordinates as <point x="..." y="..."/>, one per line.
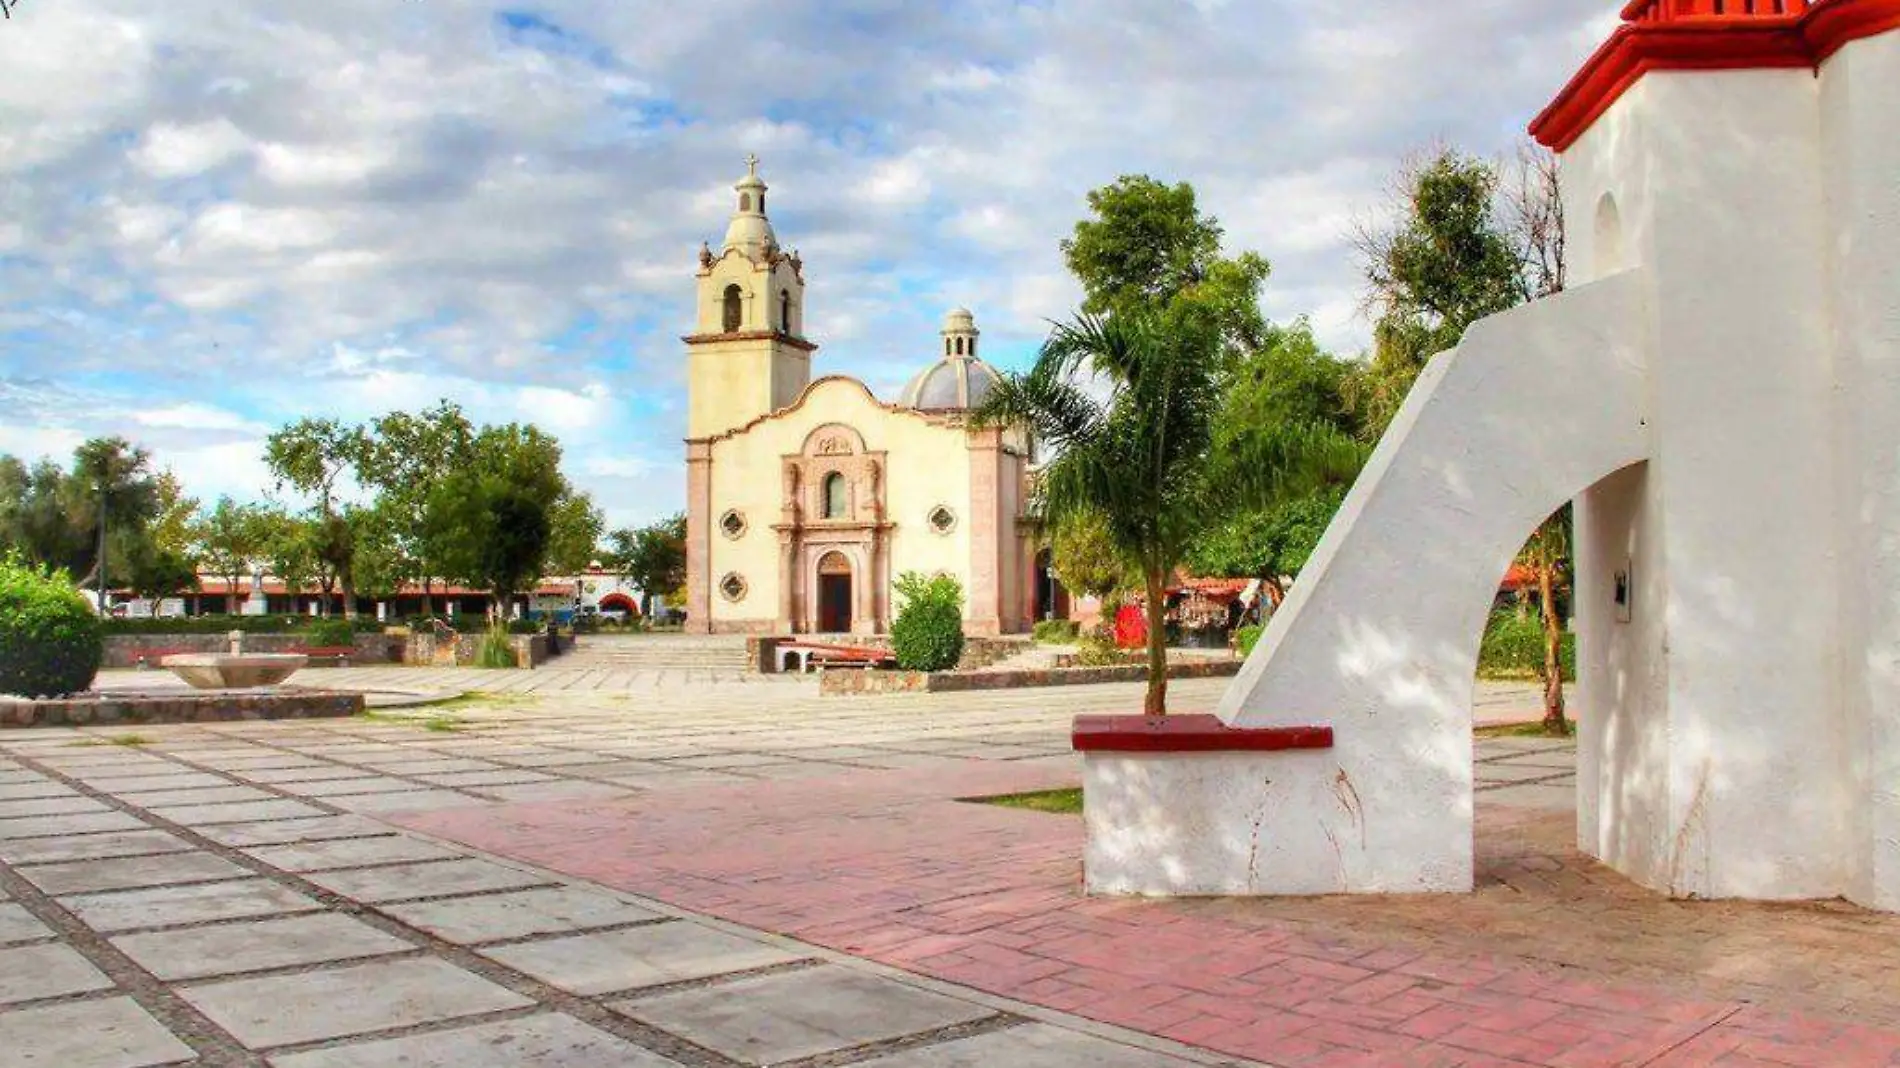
<point x="50" y="640"/>
<point x="527" y="626"/>
<point x="1057" y="631"/>
<point x="928" y="634"/>
<point x="496" y="650"/>
<point x="1514" y="647"/>
<point x="1247" y="637"/>
<point x="1098" y="650"/>
<point x="331" y="633"/>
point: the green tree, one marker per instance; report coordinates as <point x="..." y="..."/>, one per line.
<point x="492" y="518"/>
<point x="1085" y="557"/>
<point x="1448" y="261"/>
<point x="652" y="557"/>
<point x="290" y="550"/>
<point x="1137" y="459"/>
<point x="575" y="526"/>
<point x="1271" y="544"/>
<point x="381" y="561"/>
<point x="1148" y="248"/>
<point x="407" y="456"/>
<point x="231" y="539"/>
<point x="311" y="456"/>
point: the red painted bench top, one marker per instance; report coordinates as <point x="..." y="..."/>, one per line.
<point x="842" y="652"/>
<point x="1189" y="734"/>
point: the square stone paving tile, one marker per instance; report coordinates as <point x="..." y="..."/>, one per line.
<point x="226" y="949"/>
<point x="494" y="917"/>
<point x="776" y="1018"/>
<point x="549" y="759"/>
<point x="49" y="806"/>
<point x="1562" y="758"/>
<point x="312" y="829"/>
<point x="91" y="846"/>
<point x="639" y="956"/>
<point x="242" y="766"/>
<point x="569" y="790"/>
<point x="551" y="1041"/>
<point x="1555" y="796"/>
<point x="371" y="784"/>
<point x="239" y="812"/>
<point x="35" y="788"/>
<point x="126" y="873"/>
<point x="433" y="879"/>
<point x="171" y="906"/>
<point x="1513" y="772"/>
<point x="181" y="779"/>
<point x="406" y="801"/>
<point x="223" y="793"/>
<point x="312" y="773"/>
<point x="336" y="1003"/>
<point x="48" y="970"/>
<point x="351" y="853"/>
<point x="83" y="823"/>
<point x="499" y="777"/>
<point x="19" y="925"/>
<point x="422" y="764"/>
<point x="1031" y="1046"/>
<point x="114" y="1033"/>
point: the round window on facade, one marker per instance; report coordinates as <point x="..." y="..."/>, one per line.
<point x="732" y="587"/>
<point x="733" y="524"/>
<point x="942" y="520"/>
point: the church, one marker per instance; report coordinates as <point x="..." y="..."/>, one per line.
<point x="807" y="497"/>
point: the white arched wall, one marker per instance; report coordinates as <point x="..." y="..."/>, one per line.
<point x="1379" y="639"/>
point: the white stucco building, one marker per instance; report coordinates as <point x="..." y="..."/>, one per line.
<point x="1729" y="360"/>
<point x="806" y="498"/>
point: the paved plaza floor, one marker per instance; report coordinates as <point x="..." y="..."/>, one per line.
<point x="704" y="870"/>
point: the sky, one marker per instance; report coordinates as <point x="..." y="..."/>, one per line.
<point x="218" y="216"/>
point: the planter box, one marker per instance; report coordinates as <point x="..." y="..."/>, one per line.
<point x="857" y="681"/>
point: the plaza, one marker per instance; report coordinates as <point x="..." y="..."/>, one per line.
<point x="693" y="866"/>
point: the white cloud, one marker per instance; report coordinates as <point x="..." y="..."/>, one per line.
<point x="351" y="206"/>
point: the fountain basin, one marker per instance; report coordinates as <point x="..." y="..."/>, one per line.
<point x="233" y="671"/>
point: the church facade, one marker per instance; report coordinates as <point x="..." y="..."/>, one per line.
<point x="806" y="498"/>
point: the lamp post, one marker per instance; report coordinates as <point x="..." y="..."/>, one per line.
<point x="101" y="569"/>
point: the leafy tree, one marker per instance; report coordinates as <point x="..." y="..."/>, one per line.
<point x="652" y="557"/>
<point x="1148" y="247"/>
<point x="574" y="535"/>
<point x="382" y="563"/>
<point x="311" y="456"/>
<point x="1449" y="261"/>
<point x="1137" y="459"/>
<point x="231" y="538"/>
<point x="1271" y="544"/>
<point x="1084" y="556"/>
<point x="492" y="518"/>
<point x="171" y="527"/>
<point x="290" y="545"/>
<point x="407" y="456"/>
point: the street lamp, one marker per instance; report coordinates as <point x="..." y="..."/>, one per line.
<point x="101" y="569"/>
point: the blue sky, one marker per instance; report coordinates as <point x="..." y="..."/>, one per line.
<point x="220" y="215"/>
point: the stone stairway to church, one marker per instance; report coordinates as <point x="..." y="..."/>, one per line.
<point x="655" y="652"/>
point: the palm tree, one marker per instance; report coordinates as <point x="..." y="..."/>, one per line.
<point x="1142" y="458"/>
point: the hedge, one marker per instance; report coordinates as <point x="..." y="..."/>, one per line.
<point x="223" y="624"/>
<point x="1057" y="631"/>
<point x="1514" y="648"/>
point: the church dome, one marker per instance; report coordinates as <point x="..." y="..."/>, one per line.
<point x="959" y="381"/>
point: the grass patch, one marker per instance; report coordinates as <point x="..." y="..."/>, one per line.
<point x="1517" y="730"/>
<point x="116" y="739"/>
<point x="1066" y="802"/>
<point x="434" y="721"/>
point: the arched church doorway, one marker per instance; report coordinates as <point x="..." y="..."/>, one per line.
<point x="834" y="594"/>
<point x="1052" y="598"/>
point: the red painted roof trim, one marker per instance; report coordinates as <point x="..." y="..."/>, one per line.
<point x="1189" y="734"/>
<point x="1705" y="42"/>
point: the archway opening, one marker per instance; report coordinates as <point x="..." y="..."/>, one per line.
<point x="835" y="504"/>
<point x="1052" y="597"/>
<point x="734" y="309"/>
<point x="834" y="594"/>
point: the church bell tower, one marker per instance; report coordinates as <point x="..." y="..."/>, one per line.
<point x="747" y="355"/>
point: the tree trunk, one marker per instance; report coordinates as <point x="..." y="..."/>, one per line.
<point x="1157" y="701"/>
<point x="230" y="595"/>
<point x="349" y="597"/>
<point x="1555" y="722"/>
<point x="428" y="597"/>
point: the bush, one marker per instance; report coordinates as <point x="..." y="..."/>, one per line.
<point x="1099" y="650"/>
<point x="1247" y="637"/>
<point x="331" y="633"/>
<point x="496" y="650"/>
<point x="928" y="634"/>
<point x="1057" y="631"/>
<point x="222" y="624"/>
<point x="1514" y="647"/>
<point x="527" y="626"/>
<point x="50" y="640"/>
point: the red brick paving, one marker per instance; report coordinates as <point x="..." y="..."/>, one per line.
<point x="1567" y="967"/>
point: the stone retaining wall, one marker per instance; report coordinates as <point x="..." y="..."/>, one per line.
<point x="109" y="709"/>
<point x="422" y="649"/>
<point x="843" y="681"/>
<point x="122" y="650"/>
<point x="978" y="652"/>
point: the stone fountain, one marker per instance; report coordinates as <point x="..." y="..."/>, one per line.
<point x="236" y="670"/>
